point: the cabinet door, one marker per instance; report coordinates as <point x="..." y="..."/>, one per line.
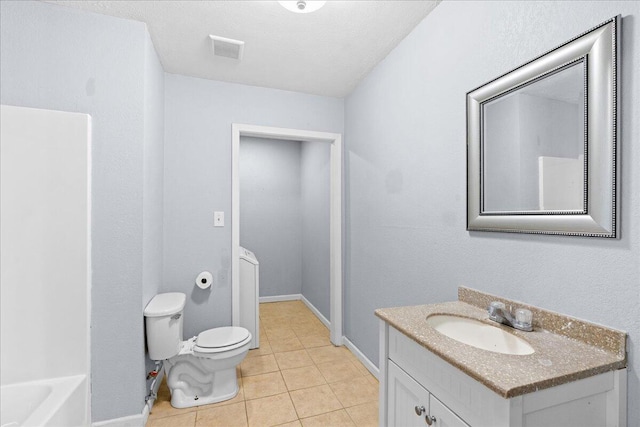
<point x="404" y="395"/>
<point x="443" y="415"/>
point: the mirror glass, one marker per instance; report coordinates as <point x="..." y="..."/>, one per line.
<point x="533" y="145"/>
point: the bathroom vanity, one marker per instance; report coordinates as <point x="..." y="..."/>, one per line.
<point x="575" y="376"/>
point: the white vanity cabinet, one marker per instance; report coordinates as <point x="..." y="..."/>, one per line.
<point x="411" y="377"/>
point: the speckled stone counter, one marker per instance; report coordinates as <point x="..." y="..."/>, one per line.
<point x="566" y="349"/>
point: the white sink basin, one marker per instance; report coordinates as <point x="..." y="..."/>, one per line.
<point x="478" y="334"/>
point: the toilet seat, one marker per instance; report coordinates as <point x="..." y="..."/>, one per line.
<point x="221" y="339"/>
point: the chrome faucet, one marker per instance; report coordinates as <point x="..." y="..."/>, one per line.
<point x="522" y="320"/>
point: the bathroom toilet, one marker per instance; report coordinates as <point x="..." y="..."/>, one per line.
<point x="202" y="369"/>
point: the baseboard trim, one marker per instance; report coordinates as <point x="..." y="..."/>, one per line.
<point x="315" y="311"/>
<point x="278" y="298"/>
<point x="360" y="355"/>
<point x="130" y="421"/>
<point x="351" y="346"/>
<point x="298" y="297"/>
<point x="134" y="420"/>
<point x="140" y="420"/>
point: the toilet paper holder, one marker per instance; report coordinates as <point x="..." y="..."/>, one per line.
<point x="204" y="280"/>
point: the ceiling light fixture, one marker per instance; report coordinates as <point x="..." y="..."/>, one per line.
<point x="302" y="6"/>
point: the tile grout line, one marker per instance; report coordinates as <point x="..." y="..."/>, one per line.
<point x="298" y="335"/>
<point x="294" y="407"/>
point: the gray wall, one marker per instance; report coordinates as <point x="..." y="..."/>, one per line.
<point x="197" y="180"/>
<point x="405" y="142"/>
<point x="153" y="169"/>
<point x="63" y="59"/>
<point x="270" y="212"/>
<point x="315" y="224"/>
<point x="284" y="216"/>
<point x="153" y="166"/>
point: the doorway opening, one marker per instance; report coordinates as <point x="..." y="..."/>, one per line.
<point x="335" y="214"/>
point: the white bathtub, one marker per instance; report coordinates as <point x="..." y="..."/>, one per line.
<point x="57" y="402"/>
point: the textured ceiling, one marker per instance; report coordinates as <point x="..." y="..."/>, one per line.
<point x="325" y="53"/>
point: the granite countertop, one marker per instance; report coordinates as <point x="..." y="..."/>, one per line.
<point x="567" y="349"/>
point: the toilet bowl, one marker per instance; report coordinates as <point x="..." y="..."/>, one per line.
<point x="202" y="369"/>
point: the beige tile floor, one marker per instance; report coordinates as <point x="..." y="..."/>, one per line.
<point x="296" y="378"/>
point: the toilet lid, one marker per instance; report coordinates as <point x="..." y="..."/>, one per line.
<point x="221" y="337"/>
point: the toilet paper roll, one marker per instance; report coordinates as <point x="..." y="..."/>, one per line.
<point x="204" y="280"/>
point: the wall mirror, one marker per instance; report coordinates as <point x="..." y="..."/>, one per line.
<point x="541" y="142"/>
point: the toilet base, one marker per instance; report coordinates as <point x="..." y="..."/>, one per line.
<point x="180" y="399"/>
<point x="195" y="381"/>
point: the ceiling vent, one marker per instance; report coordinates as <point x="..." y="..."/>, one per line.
<point x="229" y="48"/>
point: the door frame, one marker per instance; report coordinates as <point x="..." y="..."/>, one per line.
<point x="335" y="214"/>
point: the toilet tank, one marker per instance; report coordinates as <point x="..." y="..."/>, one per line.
<point x="163" y="322"/>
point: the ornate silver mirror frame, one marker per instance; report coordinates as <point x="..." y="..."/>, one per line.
<point x="597" y="53"/>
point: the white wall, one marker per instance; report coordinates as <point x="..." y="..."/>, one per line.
<point x="59" y="58"/>
<point x="270" y="211"/>
<point x="45" y="246"/>
<point x="406" y="162"/>
<point x="198" y="118"/>
<point x="315" y="224"/>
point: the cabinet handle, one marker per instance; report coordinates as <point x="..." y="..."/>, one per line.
<point x="420" y="410"/>
<point x="429" y="419"/>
